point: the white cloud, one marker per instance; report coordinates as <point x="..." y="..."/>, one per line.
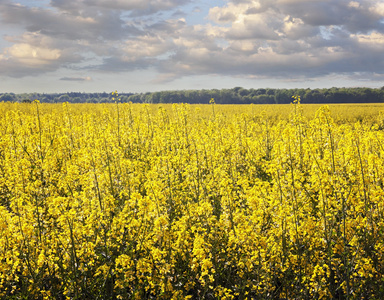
<point x="228" y="14"/>
<point x="354" y="4"/>
<point x="78" y="79"/>
<point x="32" y="55"/>
<point x="145" y="46"/>
<point x="377" y="8"/>
<point x="375" y="40"/>
<point x="295" y="29"/>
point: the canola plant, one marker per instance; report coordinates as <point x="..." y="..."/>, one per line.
<point x="134" y="201"/>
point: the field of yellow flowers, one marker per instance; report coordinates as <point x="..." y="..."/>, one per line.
<point x="135" y="201"/>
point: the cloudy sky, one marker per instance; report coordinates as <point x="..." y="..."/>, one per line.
<point x="151" y="45"/>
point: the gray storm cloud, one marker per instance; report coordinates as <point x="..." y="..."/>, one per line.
<point x="242" y="38"/>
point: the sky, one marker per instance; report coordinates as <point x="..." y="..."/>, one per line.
<point x="154" y="45"/>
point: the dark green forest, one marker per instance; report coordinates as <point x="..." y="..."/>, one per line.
<point x="235" y="95"/>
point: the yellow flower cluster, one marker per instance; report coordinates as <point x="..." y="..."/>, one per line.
<point x="134" y="201"/>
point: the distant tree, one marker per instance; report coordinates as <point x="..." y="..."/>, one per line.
<point x="282" y="96"/>
<point x="8" y="97"/>
<point x="243" y="92"/>
<point x="265" y="99"/>
<point x="261" y="92"/>
<point x="64" y="98"/>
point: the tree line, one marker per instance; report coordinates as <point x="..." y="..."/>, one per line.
<point x="237" y="95"/>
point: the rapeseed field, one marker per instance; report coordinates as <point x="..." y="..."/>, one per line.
<point x="138" y="201"/>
